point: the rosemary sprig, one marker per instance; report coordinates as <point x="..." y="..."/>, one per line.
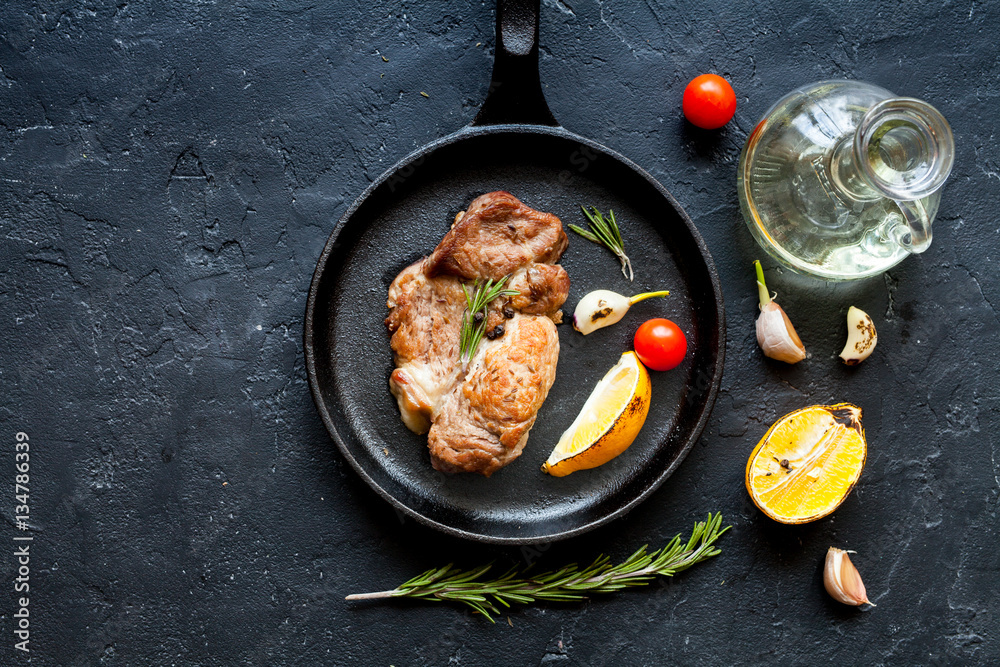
<point x="604" y="231"/>
<point x="472" y="588"/>
<point x="476" y="303"/>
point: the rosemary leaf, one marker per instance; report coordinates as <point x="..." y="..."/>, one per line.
<point x="585" y="233"/>
<point x="604" y="231"/>
<point x="570" y="583"/>
<point x="477" y="301"/>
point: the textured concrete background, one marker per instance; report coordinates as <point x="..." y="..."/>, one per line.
<point x="169" y="174"/>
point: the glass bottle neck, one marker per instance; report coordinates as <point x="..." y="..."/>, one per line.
<point x="902" y="149"/>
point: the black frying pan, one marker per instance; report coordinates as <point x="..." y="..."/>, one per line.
<point x="514" y="144"/>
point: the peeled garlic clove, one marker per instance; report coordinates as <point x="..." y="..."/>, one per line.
<point x="598" y="309"/>
<point x="861" y="337"/>
<point x="602" y="308"/>
<point x="776" y="335"/>
<point x="842" y="580"/>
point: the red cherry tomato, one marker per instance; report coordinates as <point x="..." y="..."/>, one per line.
<point x="709" y="101"/>
<point x="660" y="344"/>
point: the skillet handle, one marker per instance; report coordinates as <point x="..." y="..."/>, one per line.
<point x="515" y="94"/>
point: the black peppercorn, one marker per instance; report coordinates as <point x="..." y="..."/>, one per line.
<point x="478" y="317"/>
<point x="508" y="312"/>
<point x="498" y="331"/>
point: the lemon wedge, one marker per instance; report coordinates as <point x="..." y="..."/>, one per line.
<point x="609" y="421"/>
<point x="808" y="461"/>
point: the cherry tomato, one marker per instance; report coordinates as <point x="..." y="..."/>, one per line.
<point x="660" y="344"/>
<point x="709" y="101"/>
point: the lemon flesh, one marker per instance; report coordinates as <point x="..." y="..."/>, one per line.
<point x="806" y="464"/>
<point x="609" y="421"/>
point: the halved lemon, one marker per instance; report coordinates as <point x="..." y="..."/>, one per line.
<point x="609" y="421"/>
<point x="806" y="464"/>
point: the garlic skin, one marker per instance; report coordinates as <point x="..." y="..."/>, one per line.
<point x="842" y="581"/>
<point x="861" y="337"/>
<point x="776" y="335"/>
<point x="602" y="308"/>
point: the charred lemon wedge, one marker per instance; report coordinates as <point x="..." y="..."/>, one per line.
<point x="807" y="463"/>
<point x="609" y="421"/>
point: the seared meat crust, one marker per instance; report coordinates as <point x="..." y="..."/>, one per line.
<point x="496" y="236"/>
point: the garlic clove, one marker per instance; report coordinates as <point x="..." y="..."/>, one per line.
<point x="861" y="337"/>
<point x="842" y="581"/>
<point x="599" y="309"/>
<point x="776" y="335"/>
<point x="602" y="308"/>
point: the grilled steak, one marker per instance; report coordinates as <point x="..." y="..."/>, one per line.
<point x="477" y="416"/>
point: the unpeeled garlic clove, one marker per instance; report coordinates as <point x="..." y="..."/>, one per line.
<point x="775" y="334"/>
<point x="602" y="308"/>
<point x="842" y="580"/>
<point x="861" y="337"/>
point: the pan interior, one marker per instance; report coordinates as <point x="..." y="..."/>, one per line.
<point x="401" y="220"/>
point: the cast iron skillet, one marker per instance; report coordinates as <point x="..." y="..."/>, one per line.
<point x="514" y="144"/>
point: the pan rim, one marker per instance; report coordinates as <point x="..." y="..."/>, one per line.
<point x="311" y="359"/>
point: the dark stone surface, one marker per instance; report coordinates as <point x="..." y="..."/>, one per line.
<point x="169" y="174"/>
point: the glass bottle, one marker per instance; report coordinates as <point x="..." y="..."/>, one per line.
<point x="841" y="179"/>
